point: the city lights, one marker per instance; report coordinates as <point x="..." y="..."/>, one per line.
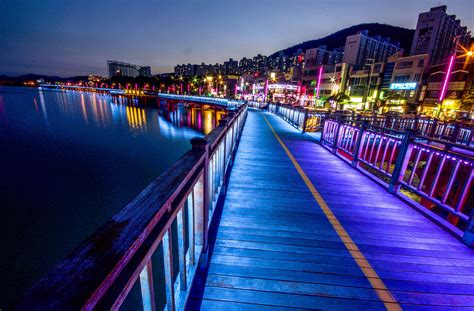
<point x="333" y="172"/>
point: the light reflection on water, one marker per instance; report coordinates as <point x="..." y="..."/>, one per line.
<point x="69" y="162"/>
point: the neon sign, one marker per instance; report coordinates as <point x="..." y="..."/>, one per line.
<point x="403" y="86"/>
<point x="283" y="86"/>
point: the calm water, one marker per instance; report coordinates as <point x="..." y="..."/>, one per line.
<point x="68" y="162"/>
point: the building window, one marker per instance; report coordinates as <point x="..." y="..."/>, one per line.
<point x="421" y="63"/>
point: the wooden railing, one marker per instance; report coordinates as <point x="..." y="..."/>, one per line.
<point x="434" y="174"/>
<point x="153" y="243"/>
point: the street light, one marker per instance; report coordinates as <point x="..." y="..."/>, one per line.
<point x="369" y="84"/>
<point x="444" y="88"/>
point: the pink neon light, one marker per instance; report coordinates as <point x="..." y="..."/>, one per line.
<point x="446" y="80"/>
<point x="319" y="80"/>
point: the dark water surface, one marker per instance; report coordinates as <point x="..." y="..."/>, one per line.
<point x="68" y="162"/>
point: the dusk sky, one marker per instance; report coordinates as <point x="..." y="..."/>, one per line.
<point x="68" y="38"/>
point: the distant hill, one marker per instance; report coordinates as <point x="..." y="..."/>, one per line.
<point x="7" y="80"/>
<point x="338" y="39"/>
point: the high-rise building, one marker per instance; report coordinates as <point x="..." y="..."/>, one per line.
<point x="260" y="62"/>
<point x="322" y="56"/>
<point x="403" y="82"/>
<point x="246" y="65"/>
<point x="436" y="34"/>
<point x="185" y="70"/>
<point x="116" y="68"/>
<point x="360" y="49"/>
<point x="231" y="67"/>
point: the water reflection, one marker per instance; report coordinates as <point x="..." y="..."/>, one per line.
<point x="43" y="107"/>
<point x="104" y="111"/>
<point x="73" y="160"/>
<point x="200" y="117"/>
<point x="136" y="118"/>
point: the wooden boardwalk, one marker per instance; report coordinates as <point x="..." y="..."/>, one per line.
<point x="347" y="244"/>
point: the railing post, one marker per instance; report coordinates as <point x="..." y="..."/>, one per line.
<point x="324" y="117"/>
<point x="455" y="133"/>
<point x="336" y="136"/>
<point x="468" y="236"/>
<point x="433" y="129"/>
<point x="470" y="136"/>
<point x="305" y="119"/>
<point x="387" y="121"/>
<point x="401" y="163"/>
<point x="169" y="271"/>
<point x="358" y="142"/>
<point x="147" y="290"/>
<point x="199" y="143"/>
<point x="416" y="122"/>
<point x="223" y="123"/>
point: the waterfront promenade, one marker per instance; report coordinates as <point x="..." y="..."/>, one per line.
<point x="302" y="229"/>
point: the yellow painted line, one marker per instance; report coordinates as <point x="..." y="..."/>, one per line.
<point x="377" y="284"/>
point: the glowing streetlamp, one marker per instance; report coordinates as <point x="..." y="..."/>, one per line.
<point x="273" y="76"/>
<point x="266" y="91"/>
<point x="467" y="54"/>
<point x="318" y="86"/>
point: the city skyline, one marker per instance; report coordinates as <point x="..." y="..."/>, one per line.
<point x="146" y="34"/>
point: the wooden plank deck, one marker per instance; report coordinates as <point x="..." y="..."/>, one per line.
<point x="275" y="249"/>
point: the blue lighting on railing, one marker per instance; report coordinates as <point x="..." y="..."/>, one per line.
<point x="203" y="99"/>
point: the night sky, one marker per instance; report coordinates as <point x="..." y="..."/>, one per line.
<point x="68" y="38"/>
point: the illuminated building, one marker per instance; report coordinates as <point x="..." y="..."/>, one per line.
<point x="116" y="68"/>
<point x="260" y="62"/>
<point x="246" y="66"/>
<point x="231" y="67"/>
<point x="322" y="56"/>
<point x="363" y="86"/>
<point x="402" y="83"/>
<point x="185" y="70"/>
<point x="458" y="90"/>
<point x="360" y="48"/>
<point x="332" y="81"/>
<point x="435" y="34"/>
